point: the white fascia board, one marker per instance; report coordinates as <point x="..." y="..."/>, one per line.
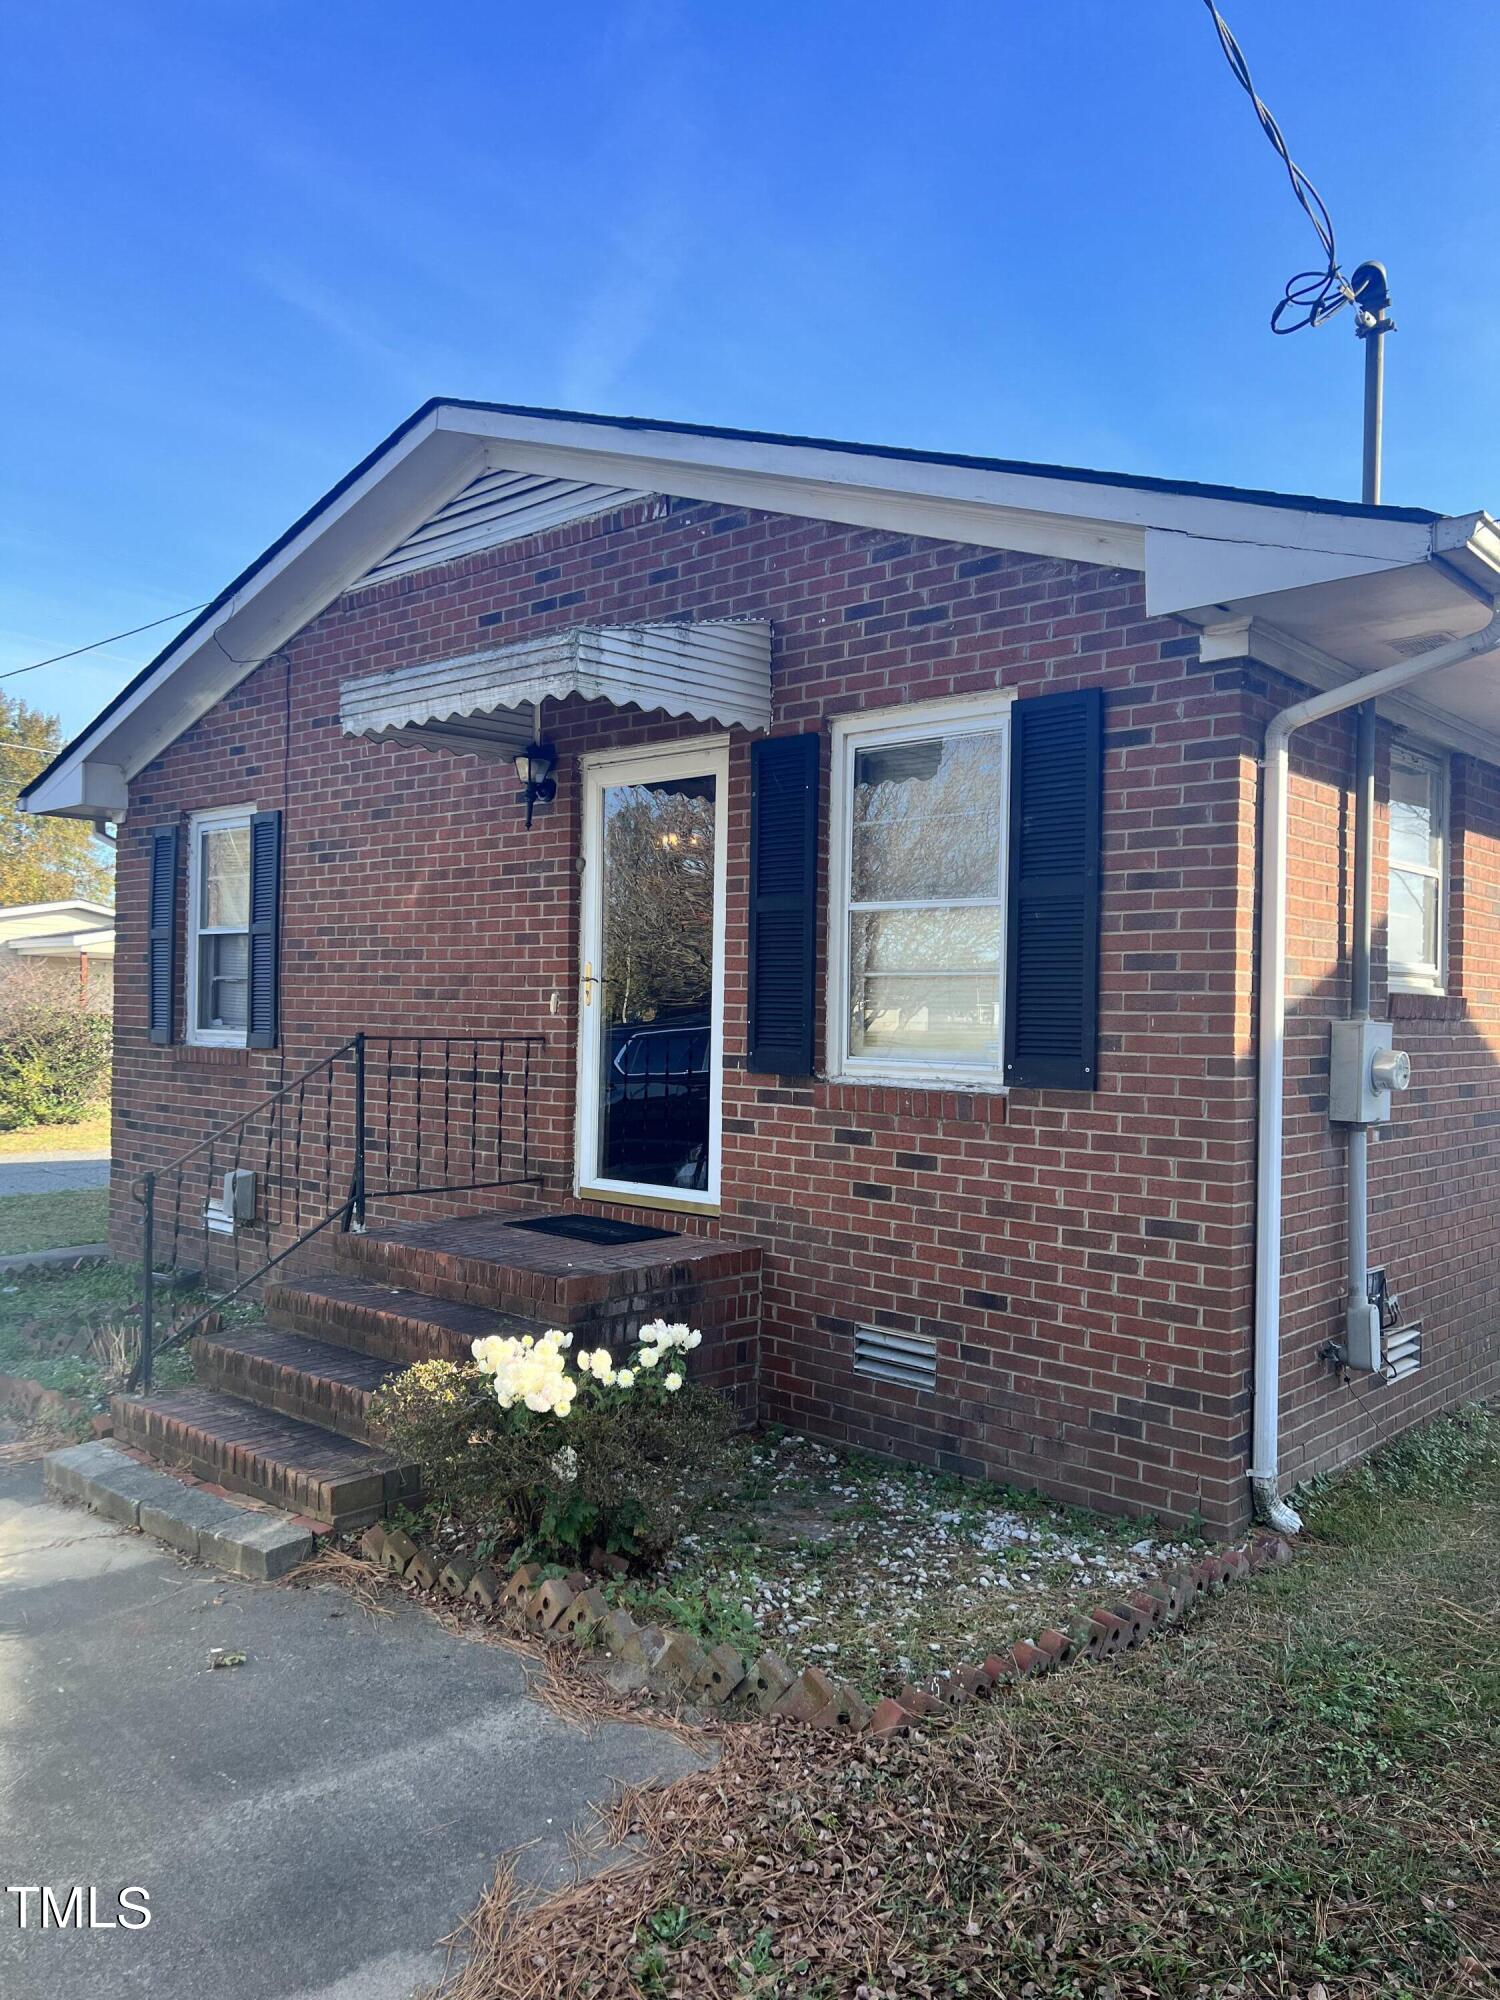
<point x="1470" y="545"/>
<point x="1031" y="512"/>
<point x="806" y="484"/>
<point x="81" y="788"/>
<point x="65" y="944"/>
<point x="1196" y="575"/>
<point x="422" y="471"/>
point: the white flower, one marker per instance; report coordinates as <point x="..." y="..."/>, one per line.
<point x="673" y="1381"/>
<point x="565" y="1463"/>
<point x="625" y="1377"/>
<point x="649" y="1357"/>
<point x="527" y="1371"/>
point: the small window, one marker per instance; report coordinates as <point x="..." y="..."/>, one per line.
<point x="919" y="903"/>
<point x="219" y="928"/>
<point x="1417" y="919"/>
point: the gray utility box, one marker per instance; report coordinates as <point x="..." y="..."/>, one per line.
<point x="235" y="1207"/>
<point x="1363" y="1070"/>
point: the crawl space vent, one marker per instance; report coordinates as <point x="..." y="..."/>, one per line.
<point x="907" y="1359"/>
<point x="1403" y="1352"/>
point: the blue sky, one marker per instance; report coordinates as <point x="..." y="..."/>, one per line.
<point x="246" y="237"/>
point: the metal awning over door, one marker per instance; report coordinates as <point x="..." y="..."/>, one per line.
<point x="483" y="704"/>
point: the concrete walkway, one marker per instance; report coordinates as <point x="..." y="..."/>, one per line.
<point x="45" y="1173"/>
<point x="307" y="1824"/>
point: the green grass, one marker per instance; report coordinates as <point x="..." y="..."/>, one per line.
<point x="53" y="1221"/>
<point x="1294" y="1793"/>
<point x="75" y="1331"/>
<point x="89" y="1135"/>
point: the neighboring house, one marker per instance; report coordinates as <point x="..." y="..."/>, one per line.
<point x="76" y="939"/>
<point x="888" y="950"/>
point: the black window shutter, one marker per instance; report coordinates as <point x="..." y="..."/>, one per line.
<point x="1052" y="912"/>
<point x="265" y="928"/>
<point x="783" y="903"/>
<point x="161" y="934"/>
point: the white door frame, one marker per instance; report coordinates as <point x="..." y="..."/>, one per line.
<point x="699" y="756"/>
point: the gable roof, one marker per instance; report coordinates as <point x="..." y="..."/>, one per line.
<point x="1206" y="550"/>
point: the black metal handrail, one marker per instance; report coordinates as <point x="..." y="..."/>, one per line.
<point x="379" y="1117"/>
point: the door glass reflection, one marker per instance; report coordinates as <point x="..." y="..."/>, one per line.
<point x="656" y="982"/>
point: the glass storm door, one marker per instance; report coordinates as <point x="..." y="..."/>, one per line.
<point x="652" y="987"/>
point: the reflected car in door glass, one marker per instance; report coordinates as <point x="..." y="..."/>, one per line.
<point x="656" y="1101"/>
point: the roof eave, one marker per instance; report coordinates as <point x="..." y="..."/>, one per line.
<point x="1059" y="512"/>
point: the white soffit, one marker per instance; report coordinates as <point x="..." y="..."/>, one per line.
<point x="498" y="507"/>
<point x="482" y="703"/>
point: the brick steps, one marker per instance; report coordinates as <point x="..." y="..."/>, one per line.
<point x="338" y="1481"/>
<point x="287" y="1372"/>
<point x="486" y="1261"/>
<point x="386" y="1320"/>
<point x="280" y="1411"/>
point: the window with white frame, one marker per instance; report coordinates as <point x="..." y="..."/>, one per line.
<point x="218" y="959"/>
<point x="918" y="893"/>
<point x="1417" y="911"/>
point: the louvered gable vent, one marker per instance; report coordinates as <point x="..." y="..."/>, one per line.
<point x="497" y="507"/>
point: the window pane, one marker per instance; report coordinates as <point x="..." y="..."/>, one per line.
<point x="223" y="981"/>
<point x="927" y="820"/>
<point x="1414" y="820"/>
<point x="1412" y="935"/>
<point x="925" y="984"/>
<point x="225" y="858"/>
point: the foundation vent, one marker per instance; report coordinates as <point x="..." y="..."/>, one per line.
<point x="1403" y="1352"/>
<point x="907" y="1359"/>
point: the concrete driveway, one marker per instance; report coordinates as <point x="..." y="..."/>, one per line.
<point x="306" y="1824"/>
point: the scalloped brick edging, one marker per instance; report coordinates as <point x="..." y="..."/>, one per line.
<point x="572" y="1610"/>
<point x="31" y="1398"/>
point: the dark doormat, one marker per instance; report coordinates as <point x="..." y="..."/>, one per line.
<point x="593" y="1229"/>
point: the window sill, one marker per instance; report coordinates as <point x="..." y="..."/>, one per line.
<point x="970" y="1086"/>
<point x="223" y="1055"/>
<point x="666" y="1201"/>
<point x="1419" y="1006"/>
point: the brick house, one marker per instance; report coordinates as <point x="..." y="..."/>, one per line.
<point x="872" y="953"/>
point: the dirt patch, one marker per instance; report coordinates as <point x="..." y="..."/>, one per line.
<point x="882" y="1574"/>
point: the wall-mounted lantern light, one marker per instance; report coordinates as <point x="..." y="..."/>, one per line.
<point x="534" y="767"/>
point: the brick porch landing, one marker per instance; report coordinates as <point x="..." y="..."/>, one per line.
<point x="486" y="1260"/>
<point x="280" y="1411"/>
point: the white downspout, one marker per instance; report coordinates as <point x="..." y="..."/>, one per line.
<point x="1265" y="1444"/>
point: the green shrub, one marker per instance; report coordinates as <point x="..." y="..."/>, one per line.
<point x="555" y="1458"/>
<point x="54" y="1058"/>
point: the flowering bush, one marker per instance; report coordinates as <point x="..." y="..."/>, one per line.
<point x="560" y="1451"/>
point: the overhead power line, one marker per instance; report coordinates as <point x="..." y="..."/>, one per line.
<point x="1311" y="297"/>
<point x="94" y="644"/>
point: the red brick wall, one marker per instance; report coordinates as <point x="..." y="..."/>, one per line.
<point x="1083" y="1259"/>
<point x="1435" y="1172"/>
